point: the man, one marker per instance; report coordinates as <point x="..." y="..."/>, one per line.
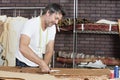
<point x="37" y="38"/>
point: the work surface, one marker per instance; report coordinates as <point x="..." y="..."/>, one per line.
<point x="57" y="74"/>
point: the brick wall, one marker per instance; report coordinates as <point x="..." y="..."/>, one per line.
<point x="90" y="9"/>
<point x="107" y="45"/>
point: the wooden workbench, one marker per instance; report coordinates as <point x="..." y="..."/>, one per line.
<point x="62" y="74"/>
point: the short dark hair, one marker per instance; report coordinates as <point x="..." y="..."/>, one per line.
<point x="53" y="8"/>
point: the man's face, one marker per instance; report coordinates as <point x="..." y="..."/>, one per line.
<point x="53" y="19"/>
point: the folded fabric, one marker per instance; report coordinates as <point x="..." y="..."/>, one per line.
<point x="104" y="21"/>
<point x="96" y="64"/>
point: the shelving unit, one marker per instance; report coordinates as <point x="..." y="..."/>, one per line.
<point x="75" y="32"/>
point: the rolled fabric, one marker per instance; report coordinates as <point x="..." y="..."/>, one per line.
<point x="119" y="26"/>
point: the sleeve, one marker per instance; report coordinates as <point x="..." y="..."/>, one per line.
<point x="28" y="28"/>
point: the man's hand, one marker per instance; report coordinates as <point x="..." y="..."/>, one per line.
<point x="44" y="67"/>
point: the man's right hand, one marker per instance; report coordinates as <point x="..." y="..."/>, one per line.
<point x="44" y="67"/>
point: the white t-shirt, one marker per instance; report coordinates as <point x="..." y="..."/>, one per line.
<point x="39" y="38"/>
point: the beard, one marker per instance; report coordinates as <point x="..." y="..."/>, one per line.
<point x="50" y="24"/>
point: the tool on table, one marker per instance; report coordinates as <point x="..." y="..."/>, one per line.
<point x="54" y="70"/>
<point x="51" y="71"/>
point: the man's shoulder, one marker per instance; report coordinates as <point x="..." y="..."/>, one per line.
<point x="34" y="19"/>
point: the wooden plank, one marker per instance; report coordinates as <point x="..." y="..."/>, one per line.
<point x="119" y="26"/>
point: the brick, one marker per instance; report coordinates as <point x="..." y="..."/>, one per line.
<point x="64" y="1"/>
<point x="54" y="1"/>
<point x="90" y="39"/>
<point x="35" y="1"/>
<point x="85" y="42"/>
<point x="44" y="1"/>
<point x="5" y="1"/>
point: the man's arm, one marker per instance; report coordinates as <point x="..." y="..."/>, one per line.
<point x="49" y="52"/>
<point x="29" y="54"/>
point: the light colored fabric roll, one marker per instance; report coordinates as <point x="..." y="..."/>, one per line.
<point x="9" y="38"/>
